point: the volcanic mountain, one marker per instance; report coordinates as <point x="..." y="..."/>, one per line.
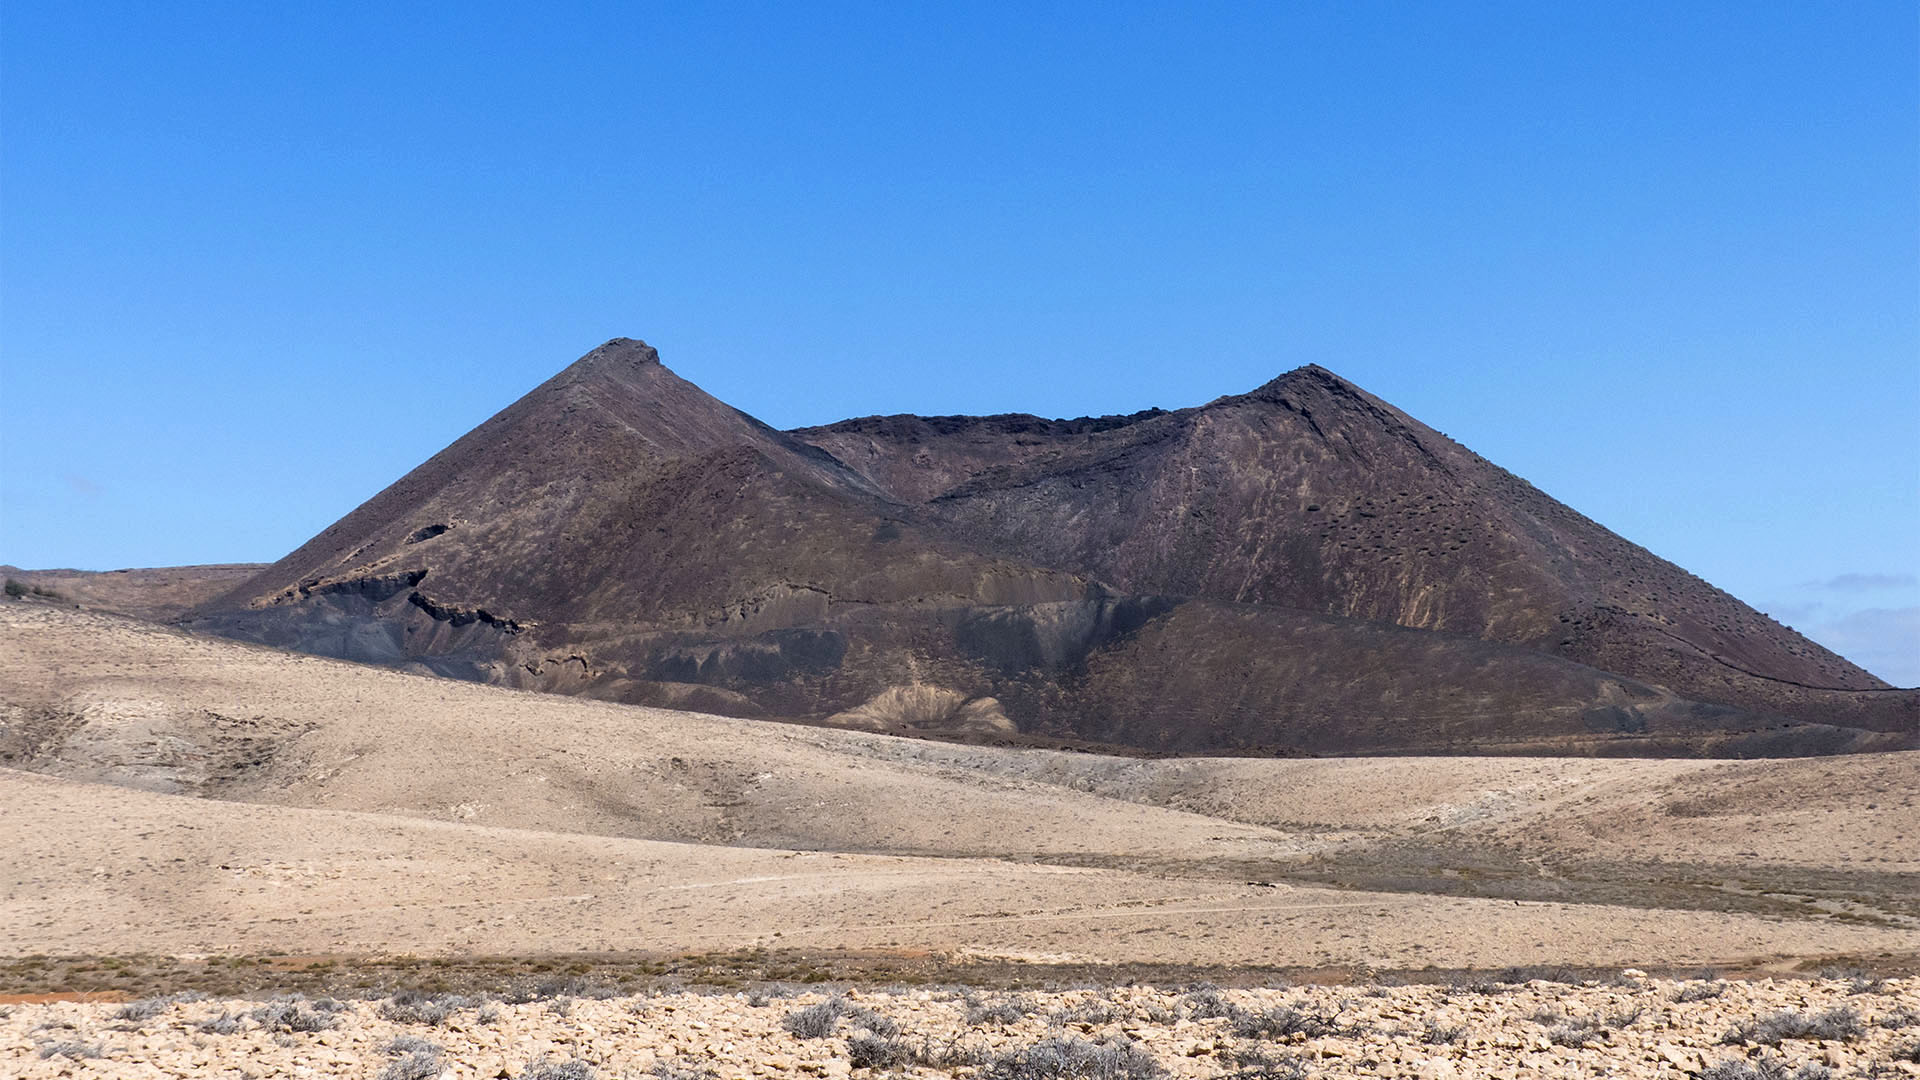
<point x="1299" y="569"/>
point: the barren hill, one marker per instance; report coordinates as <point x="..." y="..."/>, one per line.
<point x="160" y="593"/>
<point x="1301" y="569"/>
<point x="300" y="803"/>
<point x="1311" y="494"/>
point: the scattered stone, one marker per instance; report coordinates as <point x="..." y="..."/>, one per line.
<point x="1381" y="1031"/>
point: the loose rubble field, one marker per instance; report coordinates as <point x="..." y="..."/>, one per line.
<point x="1626" y="1026"/>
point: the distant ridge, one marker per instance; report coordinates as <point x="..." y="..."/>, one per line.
<point x="1299" y="569"/>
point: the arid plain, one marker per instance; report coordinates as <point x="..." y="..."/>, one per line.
<point x="188" y="812"/>
<point x="181" y="794"/>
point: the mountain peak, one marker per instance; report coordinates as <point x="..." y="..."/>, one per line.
<point x="623" y="361"/>
<point x="1303" y="376"/>
<point x="631" y="352"/>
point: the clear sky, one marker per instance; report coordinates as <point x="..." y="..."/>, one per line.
<point x="1663" y="260"/>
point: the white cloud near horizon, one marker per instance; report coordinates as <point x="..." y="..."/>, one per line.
<point x="1885" y="641"/>
<point x="1866" y="582"/>
<point x="1870" y="617"/>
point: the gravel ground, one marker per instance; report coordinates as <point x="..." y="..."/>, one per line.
<point x="1628" y="1026"/>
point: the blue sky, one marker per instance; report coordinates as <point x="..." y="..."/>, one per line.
<point x="1662" y="260"/>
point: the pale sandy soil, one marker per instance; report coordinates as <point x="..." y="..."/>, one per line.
<point x="1627" y="1028"/>
<point x="91" y="868"/>
<point x="183" y="794"/>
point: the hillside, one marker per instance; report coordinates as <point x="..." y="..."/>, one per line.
<point x="1297" y="570"/>
<point x="244" y="798"/>
<point x="1311" y="494"/>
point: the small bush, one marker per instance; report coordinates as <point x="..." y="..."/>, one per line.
<point x="1574" y="1033"/>
<point x="148" y="1008"/>
<point x="1626" y="1017"/>
<point x="878" y="1052"/>
<point x="224" y="1024"/>
<point x="572" y="1069"/>
<point x="1899" y="1020"/>
<point x="819" y="1021"/>
<point x="1155" y="1013"/>
<point x="1858" y="980"/>
<point x="71" y="1049"/>
<point x="814" y="1021"/>
<point x="1765" y="1069"/>
<point x="144" y="1009"/>
<point x="1092" y="1011"/>
<point x="562" y="986"/>
<point x="867" y="1050"/>
<point x="1262" y="1065"/>
<point x="1552" y="974"/>
<point x="1208" y="1003"/>
<point x="1280" y="1022"/>
<point x="1002" y="1013"/>
<point x="410" y="1044"/>
<point x="1839" y="1024"/>
<point x="766" y="995"/>
<point x="1076" y="1059"/>
<point x="418" y="1065"/>
<point x="295" y="1015"/>
<point x="426" y="1010"/>
<point x="871" y="1021"/>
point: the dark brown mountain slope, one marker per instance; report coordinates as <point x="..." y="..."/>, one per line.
<point x="619" y="507"/>
<point x="1309" y="493"/>
<point x="1135" y="580"/>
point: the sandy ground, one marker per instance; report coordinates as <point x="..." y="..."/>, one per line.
<point x="92" y="869"/>
<point x="178" y="794"/>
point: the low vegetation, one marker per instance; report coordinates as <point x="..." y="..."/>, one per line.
<point x="1001" y="1012"/>
<point x="426" y="1010"/>
<point x="820" y="1021"/>
<point x="147" y="1008"/>
<point x="297" y="1015"/>
<point x="1076" y="1059"/>
<point x="422" y="1061"/>
<point x="1839" y="1024"/>
<point x="20" y="589"/>
<point x="72" y="1049"/>
<point x="1766" y="1069"/>
<point x="1120" y="1033"/>
<point x="1279" y="1022"/>
<point x="571" y="1069"/>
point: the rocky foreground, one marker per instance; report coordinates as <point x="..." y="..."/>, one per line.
<point x="1630" y="1026"/>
